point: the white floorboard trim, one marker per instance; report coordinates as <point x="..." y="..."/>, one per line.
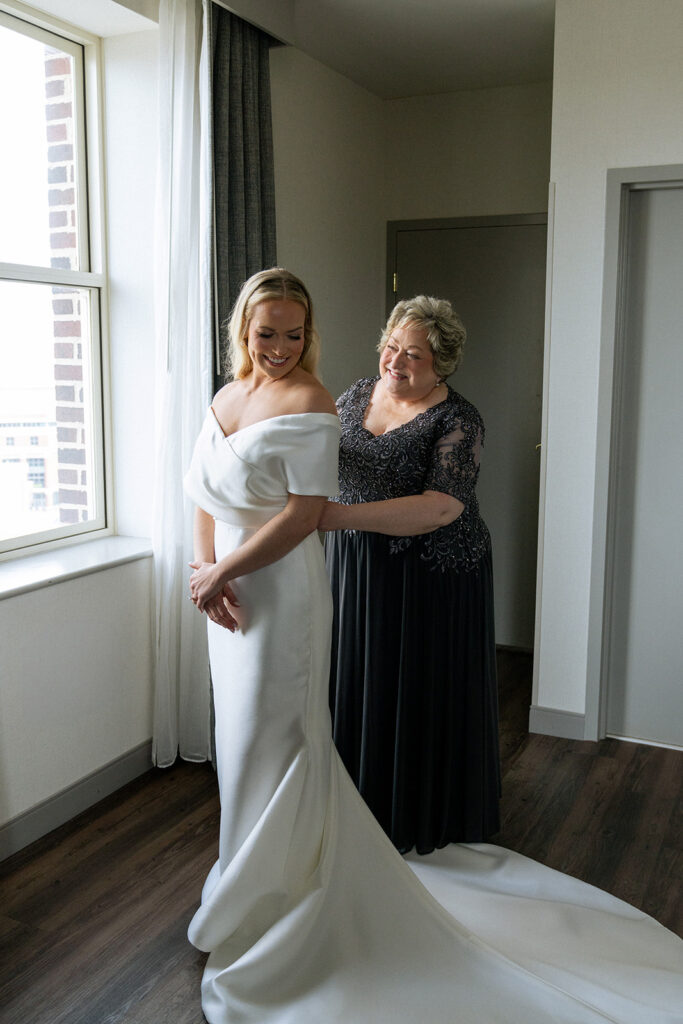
<point x="552" y="722"/>
<point x="51" y="813"/>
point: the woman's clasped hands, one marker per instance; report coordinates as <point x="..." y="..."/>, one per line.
<point x="213" y="595"/>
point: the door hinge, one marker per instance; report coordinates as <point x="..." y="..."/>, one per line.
<point x="395" y="285"/>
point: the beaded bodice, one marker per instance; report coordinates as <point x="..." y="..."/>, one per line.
<point x="438" y="450"/>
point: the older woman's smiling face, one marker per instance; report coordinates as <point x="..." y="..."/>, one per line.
<point x="406" y="364"/>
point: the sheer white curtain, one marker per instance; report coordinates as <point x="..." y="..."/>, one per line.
<point x="182" y="713"/>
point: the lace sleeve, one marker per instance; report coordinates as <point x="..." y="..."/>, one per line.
<point x="454" y="465"/>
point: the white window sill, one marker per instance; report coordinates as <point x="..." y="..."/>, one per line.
<point x="25" y="574"/>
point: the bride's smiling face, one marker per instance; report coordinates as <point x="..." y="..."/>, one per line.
<point x="275" y="337"/>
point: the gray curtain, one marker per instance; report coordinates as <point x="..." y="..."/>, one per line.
<point x="244" y="188"/>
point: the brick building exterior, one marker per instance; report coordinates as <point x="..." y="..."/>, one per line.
<point x="69" y="306"/>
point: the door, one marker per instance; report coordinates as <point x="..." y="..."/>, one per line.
<point x="645" y="662"/>
<point x="493" y="272"/>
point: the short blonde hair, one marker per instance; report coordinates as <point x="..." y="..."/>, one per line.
<point x="273" y="284"/>
<point x="446" y="333"/>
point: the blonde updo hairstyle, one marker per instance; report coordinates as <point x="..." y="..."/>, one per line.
<point x="446" y="333"/>
<point x="265" y="286"/>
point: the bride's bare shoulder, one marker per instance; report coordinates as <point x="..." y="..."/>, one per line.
<point x="235" y="405"/>
<point x="225" y="394"/>
<point x="228" y="406"/>
<point x="307" y="394"/>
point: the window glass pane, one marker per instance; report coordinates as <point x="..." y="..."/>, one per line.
<point x="47" y="440"/>
<point x="38" y="170"/>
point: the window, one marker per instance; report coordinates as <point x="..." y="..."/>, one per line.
<point x="51" y="289"/>
<point x="36" y="473"/>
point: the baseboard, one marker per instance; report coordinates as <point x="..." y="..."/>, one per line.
<point x="553" y="722"/>
<point x="61" y="807"/>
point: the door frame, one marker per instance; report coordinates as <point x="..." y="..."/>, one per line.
<point x="621" y="183"/>
<point x="441" y="224"/>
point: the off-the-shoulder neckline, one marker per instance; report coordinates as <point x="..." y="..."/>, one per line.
<point x="270" y="419"/>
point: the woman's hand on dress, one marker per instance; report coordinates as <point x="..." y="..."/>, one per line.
<point x="211" y="594"/>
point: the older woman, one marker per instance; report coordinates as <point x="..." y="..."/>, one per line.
<point x="413" y="680"/>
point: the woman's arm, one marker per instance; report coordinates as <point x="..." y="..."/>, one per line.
<point x="451" y="475"/>
<point x="273" y="541"/>
<point x="397" y="517"/>
<point x="204" y="555"/>
<point x="204" y="526"/>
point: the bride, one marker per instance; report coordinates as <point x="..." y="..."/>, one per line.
<point x="310" y="916"/>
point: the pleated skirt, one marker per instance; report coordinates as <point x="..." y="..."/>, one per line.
<point x="413" y="690"/>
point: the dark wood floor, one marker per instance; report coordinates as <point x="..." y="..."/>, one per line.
<point x="93" y="917"/>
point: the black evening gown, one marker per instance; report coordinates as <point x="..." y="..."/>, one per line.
<point x="413" y="690"/>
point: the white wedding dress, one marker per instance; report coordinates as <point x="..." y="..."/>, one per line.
<point x="310" y="916"/>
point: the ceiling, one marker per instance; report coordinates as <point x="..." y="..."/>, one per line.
<point x="393" y="48"/>
<point x="101" y="17"/>
<point x="397" y="48"/>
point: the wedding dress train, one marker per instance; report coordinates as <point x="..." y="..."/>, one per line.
<point x="310" y="916"/>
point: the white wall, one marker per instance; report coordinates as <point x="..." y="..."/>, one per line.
<point x="618" y="96"/>
<point x="328" y="149"/>
<point x="471" y="153"/>
<point x="76" y="666"/>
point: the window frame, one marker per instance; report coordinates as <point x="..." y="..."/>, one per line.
<point x="92" y="272"/>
